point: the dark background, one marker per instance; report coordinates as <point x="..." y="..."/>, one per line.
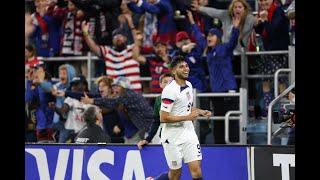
<point x="263" y="163"/>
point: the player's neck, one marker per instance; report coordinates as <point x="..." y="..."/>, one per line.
<point x="180" y="82"/>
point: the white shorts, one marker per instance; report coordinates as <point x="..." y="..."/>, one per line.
<point x="188" y="152"/>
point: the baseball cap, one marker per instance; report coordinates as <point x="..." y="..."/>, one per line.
<point x="157" y="40"/>
<point x="37" y="64"/>
<point x="181" y="35"/>
<point x="215" y="31"/>
<point x="78" y="79"/>
<point x="118" y="31"/>
<point x="121" y="81"/>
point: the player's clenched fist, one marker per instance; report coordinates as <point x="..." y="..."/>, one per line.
<point x="194" y="114"/>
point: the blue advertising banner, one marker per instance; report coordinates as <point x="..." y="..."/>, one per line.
<point x="81" y="162"/>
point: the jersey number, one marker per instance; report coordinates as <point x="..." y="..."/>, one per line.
<point x="198" y="147"/>
<point x="189" y="106"/>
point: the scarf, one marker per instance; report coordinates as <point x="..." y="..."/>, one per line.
<point x="42" y="23"/>
<point x="150" y="29"/>
<point x="72" y="36"/>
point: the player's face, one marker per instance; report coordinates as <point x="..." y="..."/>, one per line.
<point x="165" y="81"/>
<point x="63" y="76"/>
<point x="104" y="90"/>
<point x="212" y="40"/>
<point x="182" y="71"/>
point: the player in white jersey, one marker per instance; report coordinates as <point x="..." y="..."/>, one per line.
<point x="178" y="136"/>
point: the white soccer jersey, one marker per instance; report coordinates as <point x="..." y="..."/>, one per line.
<point x="177" y="101"/>
<point x="75" y="119"/>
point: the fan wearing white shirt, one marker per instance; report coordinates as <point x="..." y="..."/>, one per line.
<point x="74" y="109"/>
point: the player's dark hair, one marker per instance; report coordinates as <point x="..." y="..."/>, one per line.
<point x="176" y="60"/>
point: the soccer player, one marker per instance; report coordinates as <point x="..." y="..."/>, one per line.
<point x="178" y="136"/>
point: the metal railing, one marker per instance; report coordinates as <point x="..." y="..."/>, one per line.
<point x="270" y="110"/>
<point x="244" y="64"/>
<point x="242" y="112"/>
<point x="276" y="78"/>
<point x="226" y="125"/>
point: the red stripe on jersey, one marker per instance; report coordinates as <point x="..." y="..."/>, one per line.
<point x="167" y="101"/>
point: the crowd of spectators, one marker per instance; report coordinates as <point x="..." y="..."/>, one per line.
<point x="134" y="39"/>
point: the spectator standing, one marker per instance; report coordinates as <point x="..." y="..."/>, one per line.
<point x="39" y="98"/>
<point x="73" y="109"/>
<point x="31" y="59"/>
<point x="273" y="27"/>
<point x="46" y="32"/>
<point x="136" y="108"/>
<point x="111" y="122"/>
<point x="66" y="74"/>
<point x="72" y="39"/>
<point x="203" y="21"/>
<point x="192" y="54"/>
<point x="219" y="56"/>
<point x="158" y="64"/>
<point x="121" y="59"/>
<point x="164" y="22"/>
<point x="237" y="8"/>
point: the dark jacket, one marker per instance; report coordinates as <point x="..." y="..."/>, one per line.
<point x="276" y="36"/>
<point x="92" y="134"/>
<point x="219" y="61"/>
<point x="138" y="109"/>
<point x="47" y="44"/>
<point x="40" y="99"/>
